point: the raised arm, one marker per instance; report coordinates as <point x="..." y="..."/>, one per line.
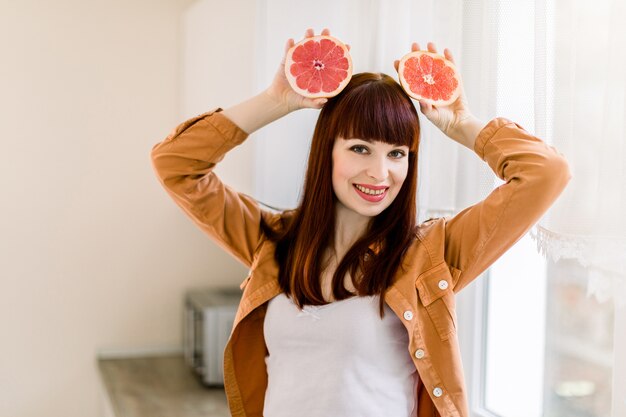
<point x="535" y="175"/>
<point x="184" y="164"/>
<point x="185" y="160"/>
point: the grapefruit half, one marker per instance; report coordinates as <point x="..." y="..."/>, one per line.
<point x="319" y="66"/>
<point x="429" y="77"/>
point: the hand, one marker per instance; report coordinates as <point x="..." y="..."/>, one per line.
<point x="281" y="91"/>
<point x="449" y="119"/>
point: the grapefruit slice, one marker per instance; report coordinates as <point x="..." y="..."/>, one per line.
<point x="319" y="66"/>
<point x="429" y="77"/>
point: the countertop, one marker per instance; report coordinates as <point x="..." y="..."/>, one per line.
<point x="160" y="386"/>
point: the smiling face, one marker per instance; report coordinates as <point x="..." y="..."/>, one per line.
<point x="368" y="175"/>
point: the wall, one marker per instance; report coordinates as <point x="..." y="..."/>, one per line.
<point x="94" y="257"/>
<point x="218" y="70"/>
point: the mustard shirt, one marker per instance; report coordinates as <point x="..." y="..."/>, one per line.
<point x="445" y="256"/>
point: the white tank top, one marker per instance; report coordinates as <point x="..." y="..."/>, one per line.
<point x="337" y="360"/>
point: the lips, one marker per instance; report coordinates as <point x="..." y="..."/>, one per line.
<point x="371" y="193"/>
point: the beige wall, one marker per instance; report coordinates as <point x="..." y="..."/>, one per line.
<point x="93" y="255"/>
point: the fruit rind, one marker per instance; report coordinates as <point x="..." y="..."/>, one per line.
<point x="321" y="94"/>
<point x="415" y="95"/>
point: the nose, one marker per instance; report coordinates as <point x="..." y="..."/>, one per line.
<point x="378" y="169"/>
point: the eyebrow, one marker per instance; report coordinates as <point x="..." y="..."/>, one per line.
<point x="364" y="140"/>
<point x="397" y="145"/>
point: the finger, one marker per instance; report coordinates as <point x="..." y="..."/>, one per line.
<point x="309" y="33"/>
<point x="290" y="42"/>
<point x="432" y="48"/>
<point x="415" y="47"/>
<point x="396" y="64"/>
<point x="320" y="102"/>
<point x="317" y="103"/>
<point x="325" y="32"/>
<point x="448" y="55"/>
<point x="426" y="108"/>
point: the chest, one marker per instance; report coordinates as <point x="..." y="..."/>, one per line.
<point x="326" y="282"/>
<point x="340" y="330"/>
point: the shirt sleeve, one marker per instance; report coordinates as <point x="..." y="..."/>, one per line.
<point x="535" y="174"/>
<point x="184" y="164"/>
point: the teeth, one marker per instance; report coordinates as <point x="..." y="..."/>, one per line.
<point x="370" y="192"/>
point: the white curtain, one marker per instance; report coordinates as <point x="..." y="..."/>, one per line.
<point x="586" y="118"/>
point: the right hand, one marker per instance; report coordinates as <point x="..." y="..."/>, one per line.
<point x="451" y="118"/>
<point x="281" y="91"/>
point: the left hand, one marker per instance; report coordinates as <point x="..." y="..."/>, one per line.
<point x="449" y="119"/>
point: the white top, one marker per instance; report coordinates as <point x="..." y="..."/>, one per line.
<point x="337" y="360"/>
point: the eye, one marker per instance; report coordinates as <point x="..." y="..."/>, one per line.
<point x="359" y="149"/>
<point x="397" y="154"/>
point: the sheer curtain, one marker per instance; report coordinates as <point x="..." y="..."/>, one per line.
<point x="584" y="87"/>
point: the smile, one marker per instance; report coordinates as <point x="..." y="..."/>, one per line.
<point x="371" y="194"/>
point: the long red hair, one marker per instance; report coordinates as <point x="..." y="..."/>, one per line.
<point x="371" y="107"/>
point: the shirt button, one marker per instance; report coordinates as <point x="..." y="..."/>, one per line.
<point x="438" y="392"/>
<point x="408" y="315"/>
<point x="419" y="353"/>
<point x="443" y="284"/>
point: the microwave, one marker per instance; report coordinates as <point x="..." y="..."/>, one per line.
<point x="209" y="315"/>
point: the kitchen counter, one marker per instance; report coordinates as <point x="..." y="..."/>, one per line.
<point x="160" y="386"/>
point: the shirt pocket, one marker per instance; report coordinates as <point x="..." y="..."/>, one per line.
<point x="435" y="291"/>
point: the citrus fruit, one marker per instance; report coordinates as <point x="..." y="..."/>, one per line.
<point x="429" y="77"/>
<point x="319" y="66"/>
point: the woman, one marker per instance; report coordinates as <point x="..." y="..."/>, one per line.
<point x="349" y="306"/>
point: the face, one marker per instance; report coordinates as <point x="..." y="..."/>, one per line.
<point x="367" y="176"/>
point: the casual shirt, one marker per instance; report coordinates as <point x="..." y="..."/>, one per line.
<point x="445" y="256"/>
<point x="340" y="359"/>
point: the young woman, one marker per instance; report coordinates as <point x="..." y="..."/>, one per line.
<point x="349" y="306"/>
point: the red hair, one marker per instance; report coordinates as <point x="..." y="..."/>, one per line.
<point x="371" y="107"/>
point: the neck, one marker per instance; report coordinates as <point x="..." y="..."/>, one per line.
<point x="349" y="227"/>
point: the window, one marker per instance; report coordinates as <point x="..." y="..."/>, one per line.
<point x="542" y="347"/>
<point x="547" y="347"/>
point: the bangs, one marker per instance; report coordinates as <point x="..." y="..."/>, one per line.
<point x="378" y="110"/>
